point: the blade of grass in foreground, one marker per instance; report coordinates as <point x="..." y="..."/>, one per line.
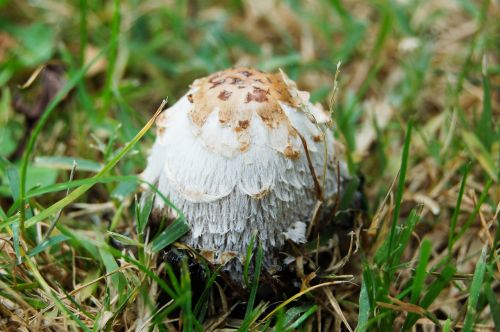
<point x="201" y="306"/>
<point x="54" y="297"/>
<point x="364" y="308"/>
<point x="80" y="308"/>
<point x="418" y="279"/>
<point x="120" y="309"/>
<point x="447" y="326"/>
<point x="454" y="217"/>
<point x="143" y="210"/>
<point x="403" y="238"/>
<point x="107" y="167"/>
<point x="73" y="81"/>
<point x="112" y="55"/>
<point x="399" y="195"/>
<point x="188" y="319"/>
<point x="474" y="291"/>
<point x="432" y="293"/>
<point x="248" y="259"/>
<point x="252" y="317"/>
<point x="290" y="315"/>
<point x="13" y="178"/>
<point x="86" y="241"/>
<point x="116" y="282"/>
<point x="255" y="282"/>
<point x="78" y="183"/>
<point x="295" y="325"/>
<point x="3" y="215"/>
<point x="174" y="231"/>
<point x="66" y="163"/>
<point x="251" y="313"/>
<point x="485" y="127"/>
<point x="291" y="299"/>
<point x="47" y="244"/>
<point x="477" y="207"/>
<point x="420" y="271"/>
<point x="485" y="158"/>
<point x="491" y="296"/>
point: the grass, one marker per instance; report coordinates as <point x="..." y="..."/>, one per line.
<point x="416" y="109"/>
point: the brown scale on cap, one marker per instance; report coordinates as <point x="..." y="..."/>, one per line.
<point x="160" y="123"/>
<point x="237" y="94"/>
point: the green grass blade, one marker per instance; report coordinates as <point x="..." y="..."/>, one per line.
<point x="201" y="305"/>
<point x="432" y="293"/>
<point x="81" y="238"/>
<point x="364" y="308"/>
<point x="421" y="271"/>
<point x="112" y="55"/>
<point x="77" y="183"/>
<point x="252" y="317"/>
<point x="117" y="281"/>
<point x="477" y="207"/>
<point x="296" y="324"/>
<point x="47" y="244"/>
<point x="418" y="280"/>
<point x="83" y="30"/>
<point x="69" y="313"/>
<point x="474" y="292"/>
<point x="120" y="309"/>
<point x="3" y="215"/>
<point x="173" y="232"/>
<point x="54" y="297"/>
<point x="66" y="163"/>
<point x="248" y="260"/>
<point x="16" y="239"/>
<point x="491" y="296"/>
<point x="255" y="281"/>
<point x="291" y="314"/>
<point x="485" y="127"/>
<point x="185" y="287"/>
<point x="173" y="280"/>
<point x="14" y="181"/>
<point x="144" y="211"/>
<point x="77" y="305"/>
<point x="447" y="326"/>
<point x="399" y="192"/>
<point x="478" y="150"/>
<point x="77" y="77"/>
<point x="8" y="221"/>
<point x="403" y="238"/>
<point x="125" y="240"/>
<point x="456" y="212"/>
<point x="107" y="167"/>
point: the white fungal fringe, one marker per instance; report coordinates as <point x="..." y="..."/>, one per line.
<point x="227" y="194"/>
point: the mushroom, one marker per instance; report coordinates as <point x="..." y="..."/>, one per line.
<point x="243" y="154"/>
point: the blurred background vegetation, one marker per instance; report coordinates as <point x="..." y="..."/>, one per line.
<point x="435" y="62"/>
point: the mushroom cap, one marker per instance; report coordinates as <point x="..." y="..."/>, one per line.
<point x="242" y="153"/>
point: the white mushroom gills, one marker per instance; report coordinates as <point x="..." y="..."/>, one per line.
<point x="242" y="153"/>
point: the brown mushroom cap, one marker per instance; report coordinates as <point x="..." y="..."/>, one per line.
<point x="237" y="94"/>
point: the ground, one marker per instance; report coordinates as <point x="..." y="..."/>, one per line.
<point x="416" y="109"/>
